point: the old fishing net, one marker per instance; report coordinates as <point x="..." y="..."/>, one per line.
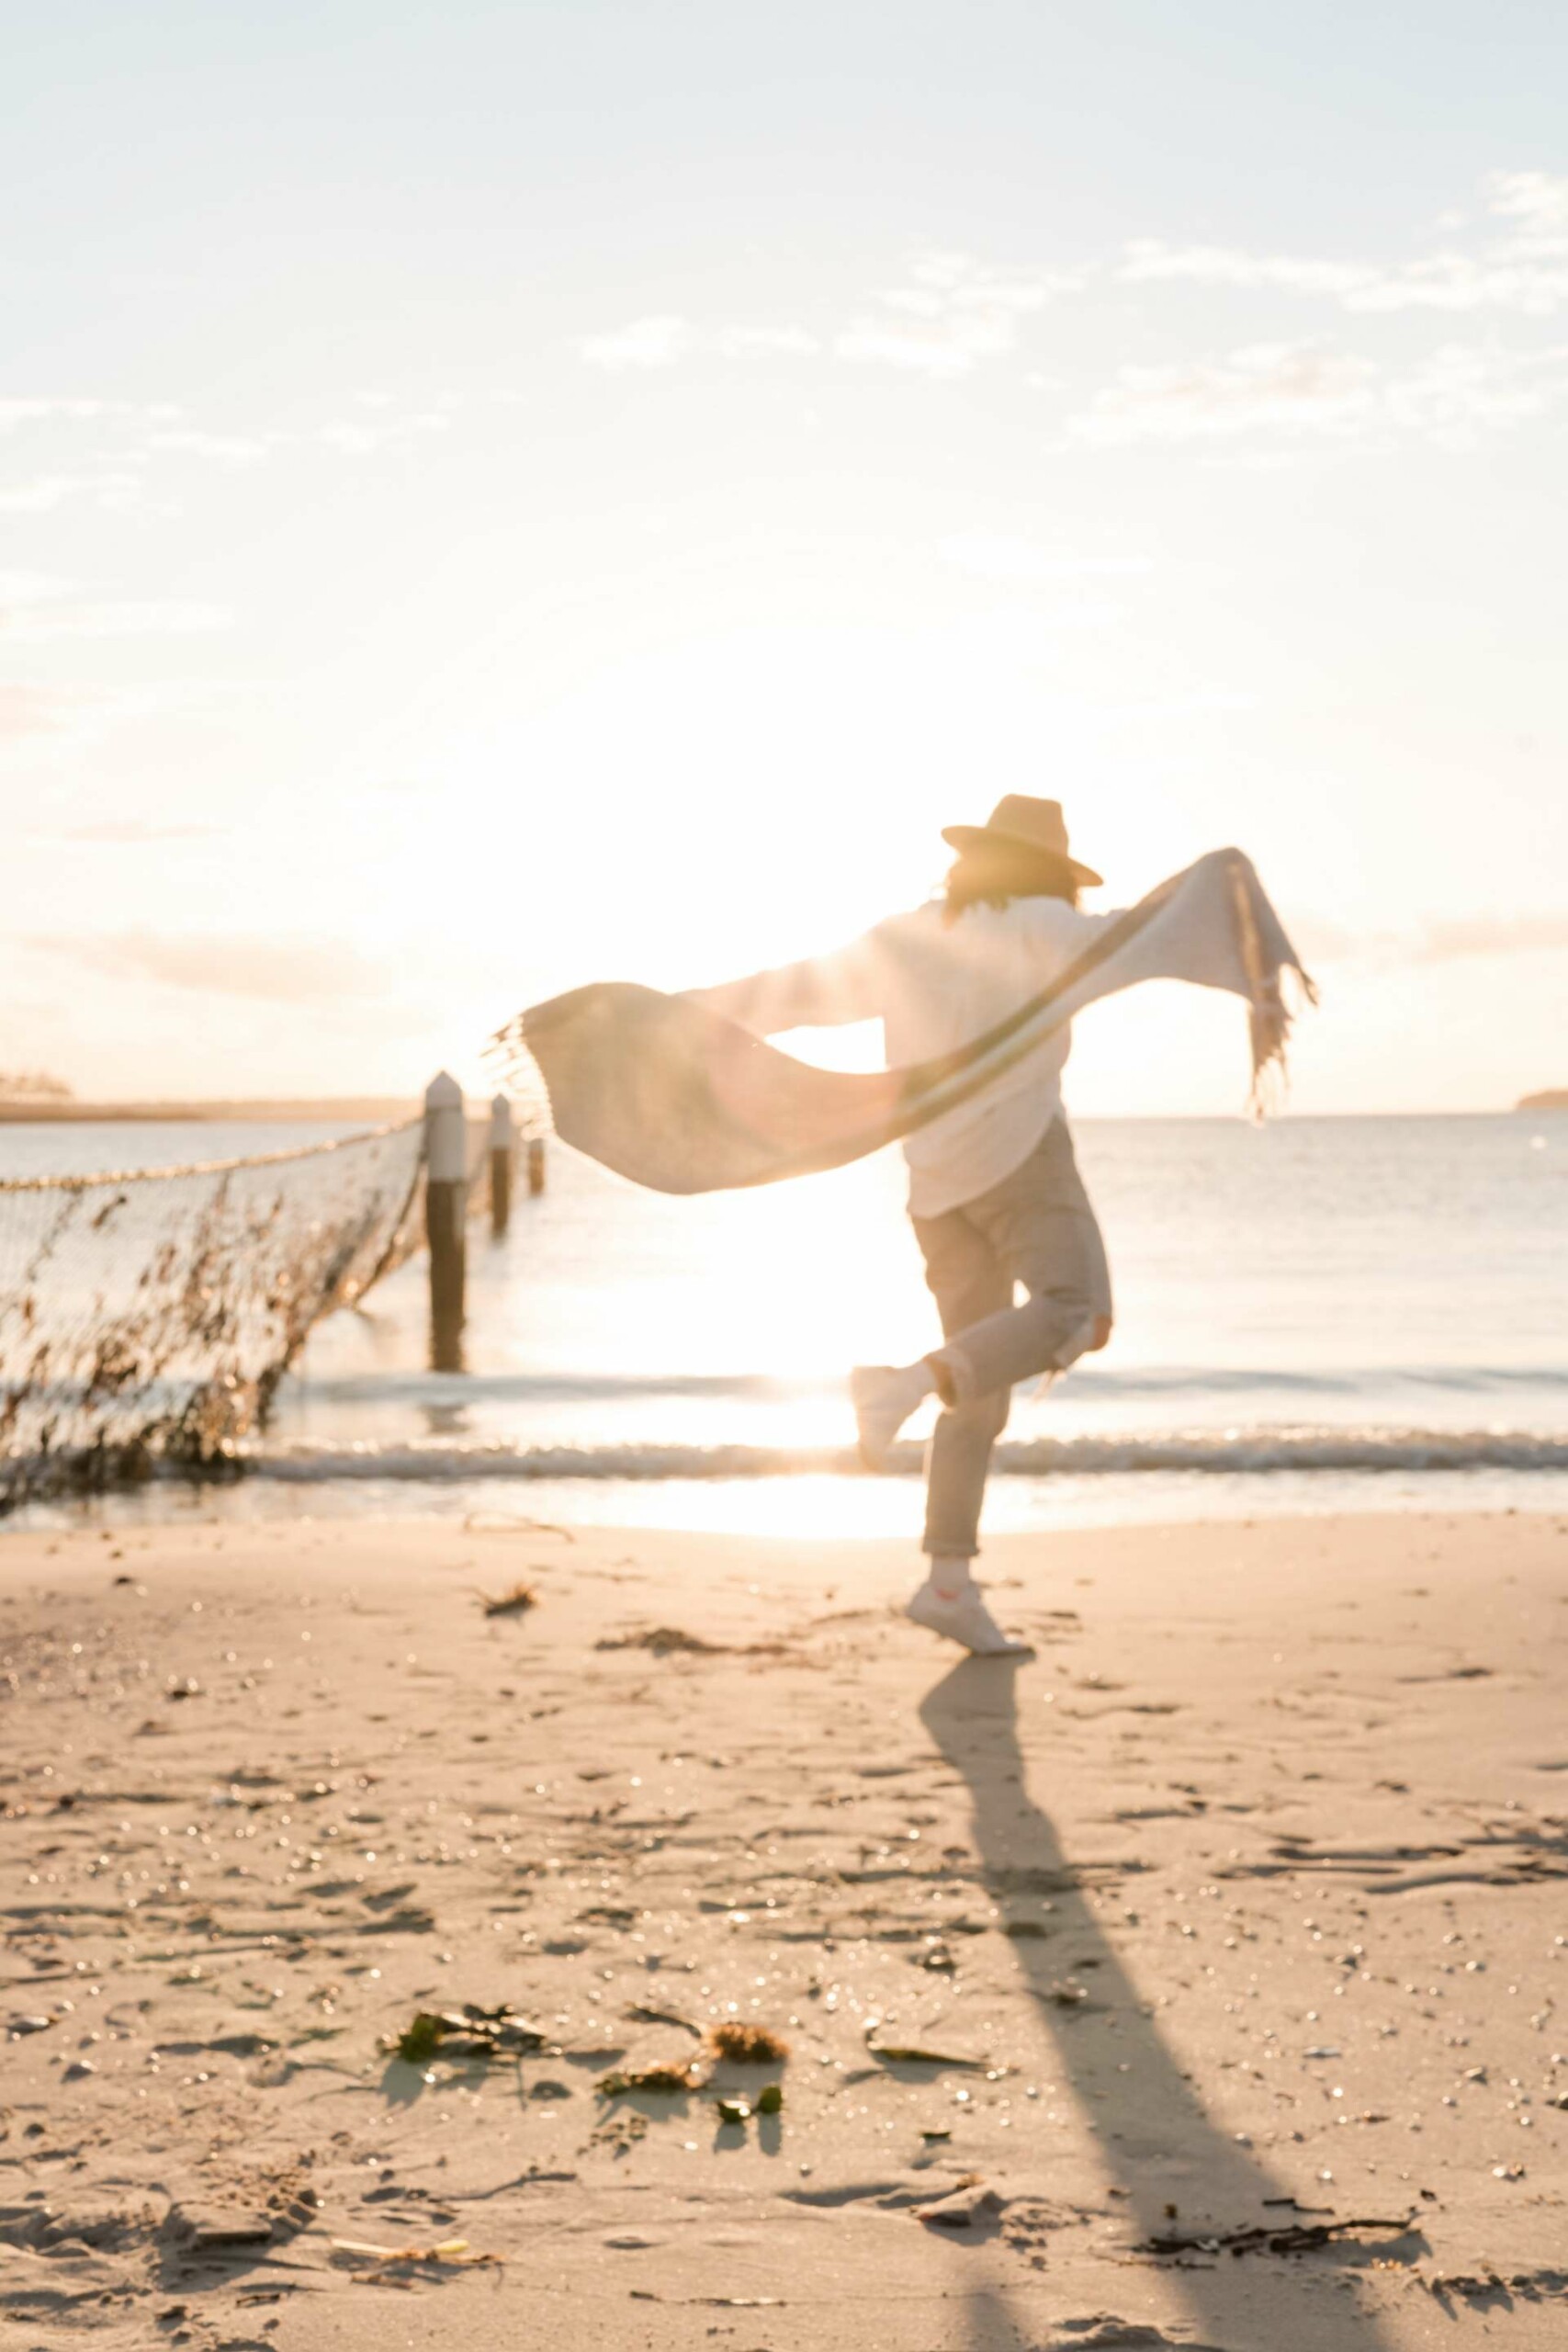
<point x="149" y="1315"/>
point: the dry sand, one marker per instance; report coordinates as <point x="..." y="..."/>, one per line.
<point x="1245" y="1906"/>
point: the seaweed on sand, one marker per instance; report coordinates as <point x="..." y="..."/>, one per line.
<point x="747" y="2046"/>
<point x="910" y="2053"/>
<point x="1268" y="2237"/>
<point x="644" y="2013"/>
<point x="662" y="1640"/>
<point x="671" y="2078"/>
<point x="513" y="1602"/>
<point x="469" y="2032"/>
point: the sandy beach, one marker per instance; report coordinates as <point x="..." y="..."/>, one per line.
<point x="1229" y="1934"/>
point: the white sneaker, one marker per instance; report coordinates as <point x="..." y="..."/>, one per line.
<point x="964" y="1619"/>
<point x="884" y="1396"/>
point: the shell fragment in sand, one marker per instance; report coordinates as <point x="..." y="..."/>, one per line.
<point x="448" y="2250"/>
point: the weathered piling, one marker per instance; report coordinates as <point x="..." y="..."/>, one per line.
<point x="536" y="1164"/>
<point x="500" y="1158"/>
<point x="445" y="1217"/>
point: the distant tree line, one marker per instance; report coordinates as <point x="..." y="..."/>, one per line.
<point x="18" y="1085"/>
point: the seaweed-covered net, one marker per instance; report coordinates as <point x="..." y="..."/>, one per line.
<point x="152" y="1314"/>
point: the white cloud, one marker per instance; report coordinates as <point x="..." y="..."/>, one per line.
<point x="654" y="342"/>
<point x="1267" y="385"/>
<point x="359" y="438"/>
<point x="39" y="408"/>
<point x="1147" y="259"/>
<point x="117" y="490"/>
<point x="162" y="428"/>
<point x="665" y="337"/>
<point x="31" y="588"/>
<point x="953" y="313"/>
<point x="1521" y="265"/>
<point x="1454" y="939"/>
<point x="224" y="448"/>
<point x="35" y="619"/>
<point x="1524" y="934"/>
<point x="950" y="313"/>
<point x="1498" y="279"/>
<point x="932" y="351"/>
<point x="737" y="342"/>
<point x="29" y="411"/>
<point x="1539" y="199"/>
<point x="65" y="718"/>
<point x="284" y="971"/>
<point x="35" y="710"/>
<point x="1453" y="397"/>
<point x="1462" y="391"/>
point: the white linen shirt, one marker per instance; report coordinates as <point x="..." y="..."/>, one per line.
<point x="935" y="986"/>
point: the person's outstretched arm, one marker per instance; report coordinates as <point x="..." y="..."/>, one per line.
<point x="821" y="992"/>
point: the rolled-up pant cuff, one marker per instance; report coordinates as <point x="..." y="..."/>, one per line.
<point x="954" y="1371"/>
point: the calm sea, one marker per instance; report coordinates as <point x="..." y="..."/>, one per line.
<point x="1315" y="1313"/>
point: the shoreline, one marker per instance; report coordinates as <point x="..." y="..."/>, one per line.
<point x="1247" y="1888"/>
<point x="848" y="1505"/>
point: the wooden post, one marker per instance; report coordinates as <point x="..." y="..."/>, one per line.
<point x="445" y="1216"/>
<point x="499" y="1165"/>
<point x="535" y="1165"/>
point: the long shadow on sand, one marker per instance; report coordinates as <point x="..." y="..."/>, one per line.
<point x="1158" y="2143"/>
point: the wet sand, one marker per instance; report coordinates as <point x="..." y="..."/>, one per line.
<point x="1237" y="1918"/>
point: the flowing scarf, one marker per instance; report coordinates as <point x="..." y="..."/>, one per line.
<point x="680" y="1099"/>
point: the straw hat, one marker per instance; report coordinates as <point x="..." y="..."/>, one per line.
<point x="1023" y="824"/>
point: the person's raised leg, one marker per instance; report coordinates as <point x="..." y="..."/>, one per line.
<point x="1036" y="1228"/>
<point x="1039" y="1226"/>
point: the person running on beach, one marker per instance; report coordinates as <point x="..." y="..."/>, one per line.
<point x="995" y="1196"/>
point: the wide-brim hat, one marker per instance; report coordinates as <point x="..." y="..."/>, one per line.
<point x="1024" y="823"/>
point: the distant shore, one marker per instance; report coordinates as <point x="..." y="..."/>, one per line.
<point x="1554" y="1098"/>
<point x="373" y="1110"/>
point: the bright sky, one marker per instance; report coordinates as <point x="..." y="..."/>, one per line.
<point x="497" y="496"/>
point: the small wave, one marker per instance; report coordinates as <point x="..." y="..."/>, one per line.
<point x="448" y="1388"/>
<point x="1088" y="1383"/>
<point x="1255" y="1450"/>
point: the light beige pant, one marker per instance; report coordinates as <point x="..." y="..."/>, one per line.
<point x="1035" y="1228"/>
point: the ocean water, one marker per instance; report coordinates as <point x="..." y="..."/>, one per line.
<point x="1313" y="1313"/>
